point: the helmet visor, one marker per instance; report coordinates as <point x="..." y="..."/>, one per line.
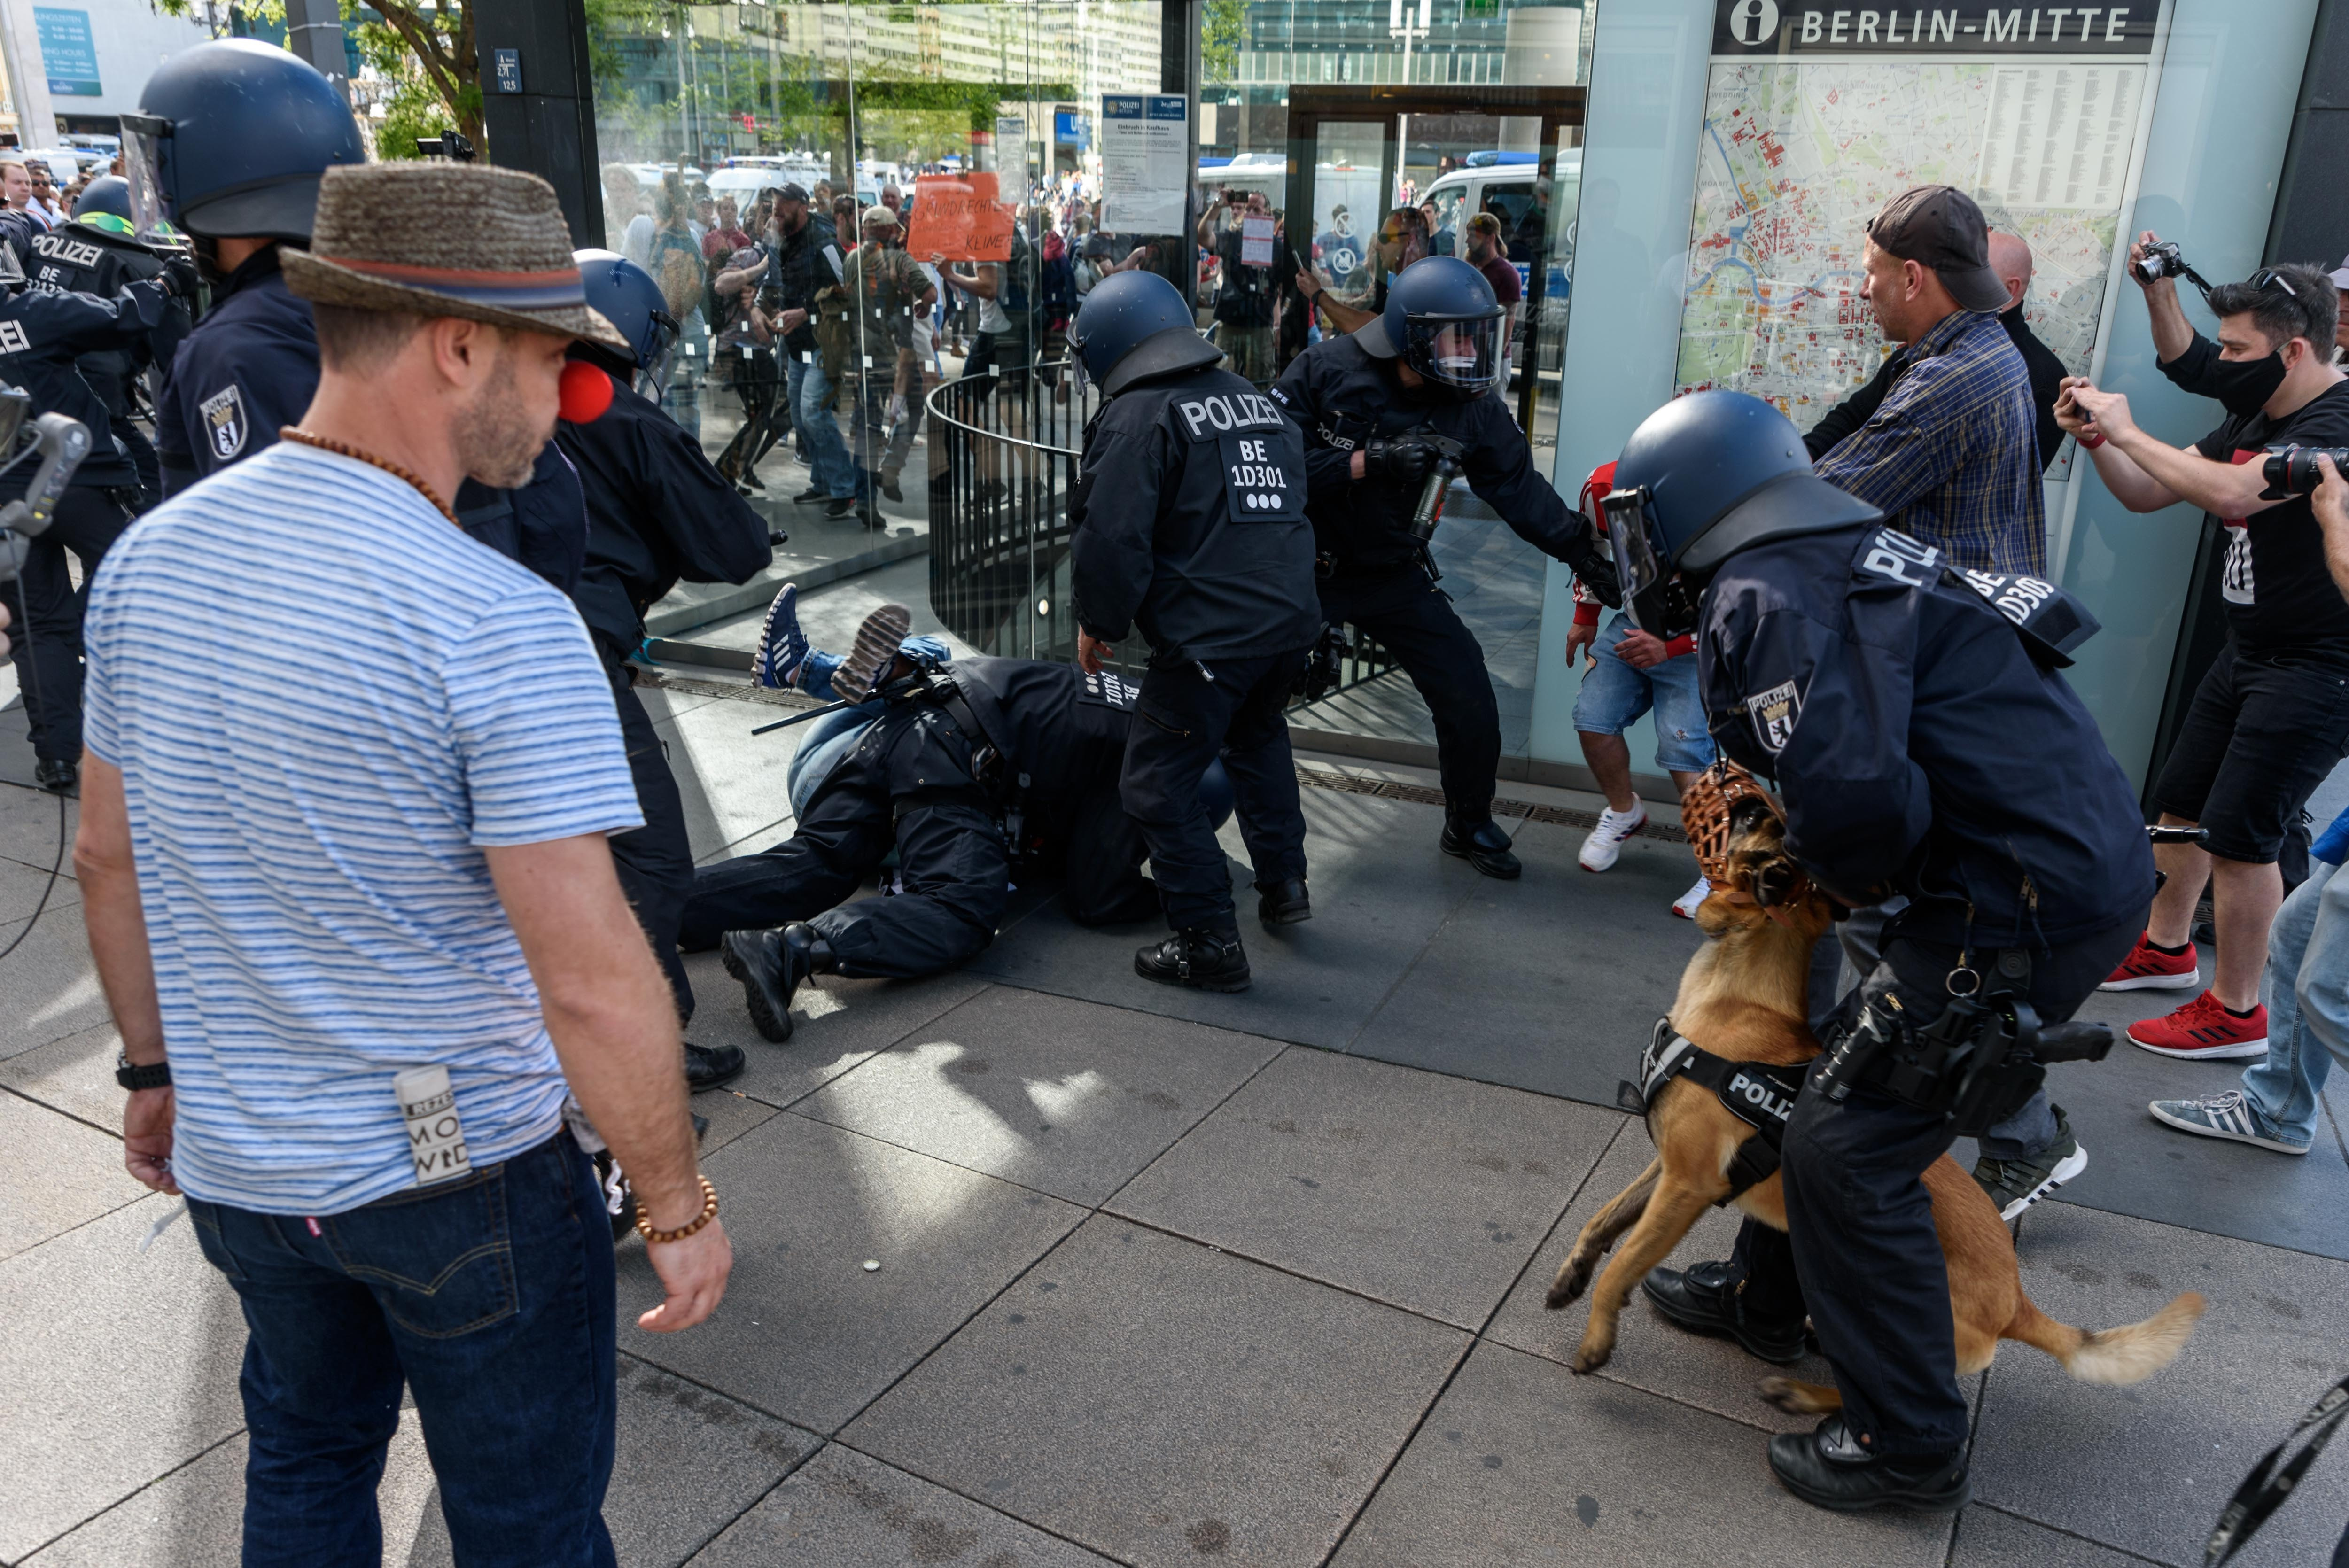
<point x="656" y="369"/>
<point x="1636" y="566"/>
<point x="142" y="169"/>
<point x="1462" y="354"/>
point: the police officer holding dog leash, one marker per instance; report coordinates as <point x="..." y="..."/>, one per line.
<point x="1915" y="720"/>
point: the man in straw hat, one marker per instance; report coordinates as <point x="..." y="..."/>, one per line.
<point x="347" y="881"/>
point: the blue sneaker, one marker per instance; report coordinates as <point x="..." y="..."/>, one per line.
<point x="2228" y="1116"/>
<point x="782" y="647"/>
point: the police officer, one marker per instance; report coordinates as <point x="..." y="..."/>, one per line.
<point x="1188" y="519"/>
<point x="1383" y="407"/>
<point x="43" y="335"/>
<point x="231" y="139"/>
<point x="969" y="771"/>
<point x="656" y="511"/>
<point x="1926" y="744"/>
<point x="96" y="254"/>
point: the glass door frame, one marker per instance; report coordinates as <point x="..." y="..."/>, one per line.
<point x="1311" y="107"/>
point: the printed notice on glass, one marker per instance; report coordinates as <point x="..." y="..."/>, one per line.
<point x="1813" y="118"/>
<point x="1145" y="153"/>
<point x="1011" y="154"/>
<point x="1256" y="242"/>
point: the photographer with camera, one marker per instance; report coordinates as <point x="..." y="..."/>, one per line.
<point x="2271" y="717"/>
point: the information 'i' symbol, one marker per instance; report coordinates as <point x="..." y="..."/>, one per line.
<point x="1754" y="21"/>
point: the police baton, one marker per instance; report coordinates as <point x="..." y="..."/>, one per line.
<point x="803" y="718"/>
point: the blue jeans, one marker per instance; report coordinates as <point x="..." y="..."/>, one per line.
<point x="2306" y="990"/>
<point x="1614" y="695"/>
<point x="492" y="1297"/>
<point x="829" y="466"/>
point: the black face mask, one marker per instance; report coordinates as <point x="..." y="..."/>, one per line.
<point x="2243" y="384"/>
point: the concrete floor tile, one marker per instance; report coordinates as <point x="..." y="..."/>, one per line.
<point x="730" y="1115"/>
<point x="844" y="1510"/>
<point x="73" y="1075"/>
<point x="1522" y="1462"/>
<point x="1422" y="1192"/>
<point x="24" y="888"/>
<point x="1713" y="1374"/>
<point x="89" y="1419"/>
<point x="837" y="1024"/>
<point x="29" y="825"/>
<point x="731" y="781"/>
<point x="806" y="1331"/>
<point x="686" y="1462"/>
<point x="1988" y="1539"/>
<point x="1565" y="973"/>
<point x="2148" y="1468"/>
<point x="1070" y="1097"/>
<point x="57" y="1174"/>
<point x="49" y="986"/>
<point x="194" y="1517"/>
<point x="1158" y="1402"/>
<point x="1380" y="889"/>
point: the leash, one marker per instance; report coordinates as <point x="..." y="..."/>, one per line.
<point x="2274" y="1479"/>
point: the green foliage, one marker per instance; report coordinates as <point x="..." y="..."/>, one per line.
<point x="1220" y="38"/>
<point x="413" y="110"/>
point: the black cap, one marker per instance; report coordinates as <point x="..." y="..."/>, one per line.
<point x="1940" y="227"/>
<point x="793" y="193"/>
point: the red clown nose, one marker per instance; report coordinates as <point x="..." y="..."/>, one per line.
<point x="586" y="393"/>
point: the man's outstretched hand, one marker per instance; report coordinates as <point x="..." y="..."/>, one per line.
<point x="1092" y="651"/>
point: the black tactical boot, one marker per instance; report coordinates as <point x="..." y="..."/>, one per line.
<point x="1201" y="958"/>
<point x="1706" y="1300"/>
<point x="1283" y="902"/>
<point x="711" y="1067"/>
<point x="771" y="964"/>
<point x="1482" y="845"/>
<point x="1828" y="1469"/>
<point x="58" y="776"/>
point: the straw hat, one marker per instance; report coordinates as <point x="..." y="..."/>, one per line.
<point x="446" y="238"/>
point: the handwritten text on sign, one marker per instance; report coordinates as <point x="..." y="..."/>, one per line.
<point x="959" y="219"/>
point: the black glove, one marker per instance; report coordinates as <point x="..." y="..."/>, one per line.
<point x="1593" y="567"/>
<point x="1405" y="461"/>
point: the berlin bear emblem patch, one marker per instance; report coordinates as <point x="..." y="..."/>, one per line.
<point x="1773" y="713"/>
<point x="225" y="424"/>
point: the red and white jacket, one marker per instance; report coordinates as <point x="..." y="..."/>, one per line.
<point x="1586" y="608"/>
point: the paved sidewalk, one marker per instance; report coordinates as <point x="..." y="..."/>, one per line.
<point x="1169" y="1278"/>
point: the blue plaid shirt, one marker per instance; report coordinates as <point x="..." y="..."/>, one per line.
<point x="1952" y="456"/>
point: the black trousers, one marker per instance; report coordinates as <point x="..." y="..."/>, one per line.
<point x="1860" y="1253"/>
<point x="762" y="391"/>
<point x="952" y="863"/>
<point x="47" y="608"/>
<point x="1182" y="721"/>
<point x="1413" y="620"/>
<point x="654" y="861"/>
<point x="1101" y="881"/>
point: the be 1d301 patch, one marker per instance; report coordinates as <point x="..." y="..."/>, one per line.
<point x="1110" y="691"/>
<point x="226" y="425"/>
<point x="1264" y="477"/>
<point x="1773" y="713"/>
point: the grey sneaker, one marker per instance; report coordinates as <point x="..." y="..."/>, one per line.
<point x="2016" y="1184"/>
<point x="2228" y="1116"/>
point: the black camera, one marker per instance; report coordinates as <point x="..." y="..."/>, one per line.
<point x="2292" y="470"/>
<point x="2163" y="259"/>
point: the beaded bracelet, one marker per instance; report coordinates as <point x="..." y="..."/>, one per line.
<point x="708" y="1213"/>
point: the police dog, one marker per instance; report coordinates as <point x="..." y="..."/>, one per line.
<point x="1742" y="998"/>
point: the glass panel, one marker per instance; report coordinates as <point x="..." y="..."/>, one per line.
<point x="1349" y="196"/>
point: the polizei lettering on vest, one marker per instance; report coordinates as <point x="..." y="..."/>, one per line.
<point x="1762" y="1097"/>
<point x="1221" y="411"/>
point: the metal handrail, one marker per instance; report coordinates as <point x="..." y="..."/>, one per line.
<point x="1003" y="464"/>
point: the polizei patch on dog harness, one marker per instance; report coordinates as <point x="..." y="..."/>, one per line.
<point x="1759" y="1094"/>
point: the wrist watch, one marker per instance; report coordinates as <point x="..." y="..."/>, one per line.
<point x="155" y="1075"/>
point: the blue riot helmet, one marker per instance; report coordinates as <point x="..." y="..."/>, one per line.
<point x="1702" y="477"/>
<point x="107" y="193"/>
<point x="231" y="138"/>
<point x="1441" y="320"/>
<point x="625" y="294"/>
<point x="1136" y="327"/>
<point x="1216" y="796"/>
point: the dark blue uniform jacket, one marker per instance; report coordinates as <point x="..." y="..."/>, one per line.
<point x="1344" y="398"/>
<point x="1920" y="746"/>
<point x="77" y="258"/>
<point x="656" y="511"/>
<point x="249" y="366"/>
<point x="43" y="334"/>
<point x="1189" y="515"/>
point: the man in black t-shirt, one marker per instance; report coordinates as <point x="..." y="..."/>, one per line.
<point x="2271" y="717"/>
<point x="1244" y="300"/>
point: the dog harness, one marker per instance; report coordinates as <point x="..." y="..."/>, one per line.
<point x="1759" y="1094"/>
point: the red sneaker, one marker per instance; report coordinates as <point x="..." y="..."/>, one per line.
<point x="2148" y="968"/>
<point x="2202" y="1030"/>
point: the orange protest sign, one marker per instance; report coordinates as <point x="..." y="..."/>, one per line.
<point x="958" y="217"/>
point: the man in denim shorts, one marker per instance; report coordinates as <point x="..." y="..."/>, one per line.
<point x="1632" y="672"/>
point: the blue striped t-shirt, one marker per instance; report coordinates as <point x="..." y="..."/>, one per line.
<point x="326" y="702"/>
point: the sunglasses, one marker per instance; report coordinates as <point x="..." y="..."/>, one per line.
<point x="2268" y="277"/>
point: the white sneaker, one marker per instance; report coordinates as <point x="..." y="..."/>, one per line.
<point x="1605" y="845"/>
<point x="1685" y="907"/>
